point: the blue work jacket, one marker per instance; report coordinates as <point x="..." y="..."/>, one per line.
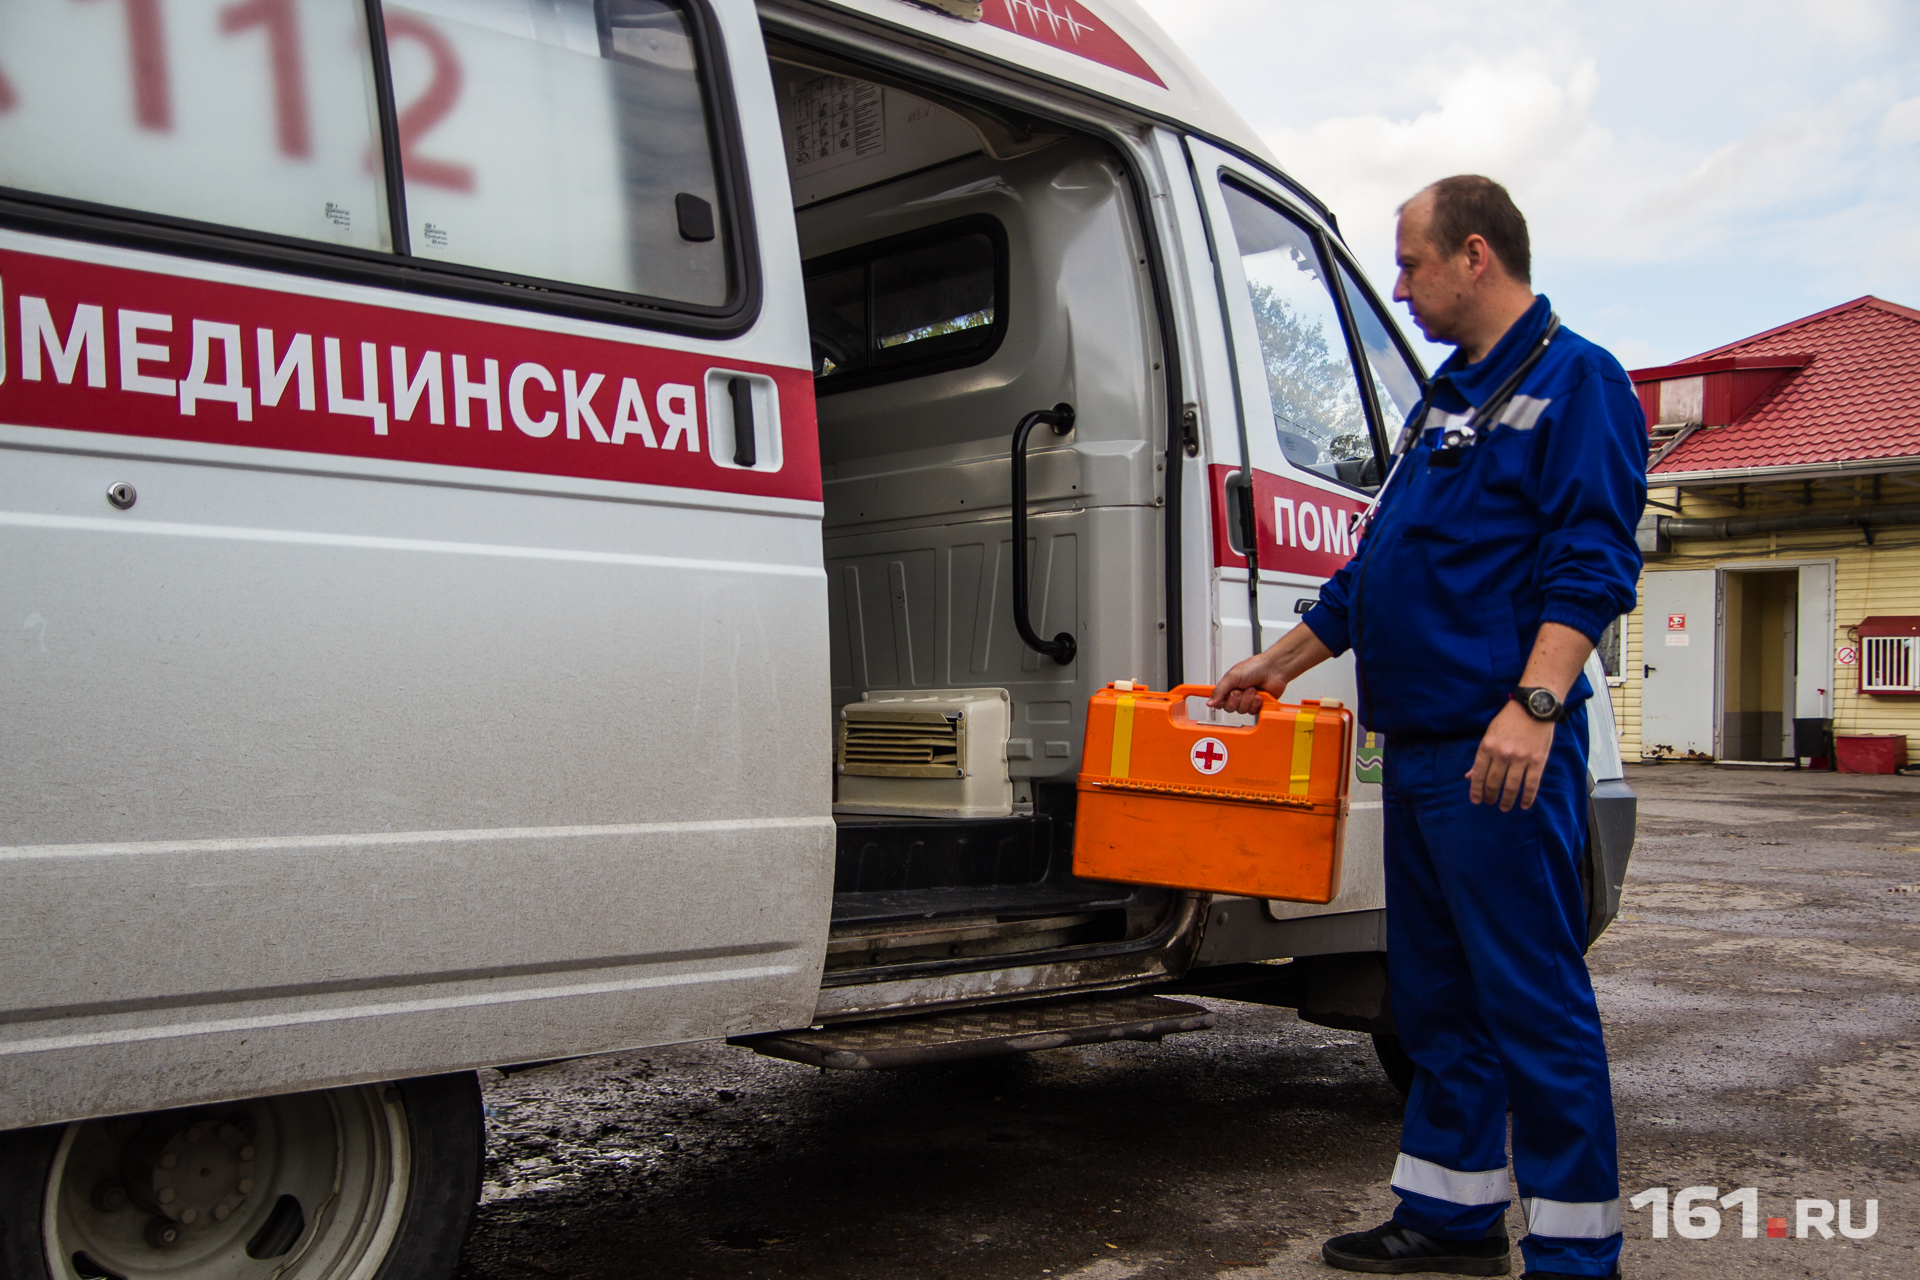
<point x="1533" y="523"/>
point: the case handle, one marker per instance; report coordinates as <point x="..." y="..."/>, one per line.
<point x="1178" y="711"/>
<point x="1206" y="691"/>
<point x="1181" y="692"/>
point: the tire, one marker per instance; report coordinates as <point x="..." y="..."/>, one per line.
<point x="1394" y="1061"/>
<point x="372" y="1180"/>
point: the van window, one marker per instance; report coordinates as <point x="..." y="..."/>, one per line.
<point x="260" y="114"/>
<point x="1396" y="386"/>
<point x="560" y="139"/>
<point x="1317" y="411"/>
<point x="909" y="305"/>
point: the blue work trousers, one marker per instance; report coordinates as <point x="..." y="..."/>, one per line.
<point x="1485" y="931"/>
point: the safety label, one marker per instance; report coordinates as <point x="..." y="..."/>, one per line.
<point x="1369" y="758"/>
<point x="835" y="120"/>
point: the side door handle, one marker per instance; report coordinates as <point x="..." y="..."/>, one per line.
<point x="741" y="392"/>
<point x="1062" y="647"/>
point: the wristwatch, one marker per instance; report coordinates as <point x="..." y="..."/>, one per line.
<point x="1541" y="704"/>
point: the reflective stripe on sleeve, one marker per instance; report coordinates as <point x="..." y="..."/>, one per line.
<point x="1522" y="412"/>
<point x="1595" y="1220"/>
<point x="1411" y="1173"/>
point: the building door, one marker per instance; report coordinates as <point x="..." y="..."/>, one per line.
<point x="1813" y="641"/>
<point x="1758" y="652"/>
<point x="1677" y="694"/>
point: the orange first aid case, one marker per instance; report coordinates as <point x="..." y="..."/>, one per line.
<point x="1259" y="810"/>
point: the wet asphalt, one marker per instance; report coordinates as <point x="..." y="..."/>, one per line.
<point x="1761" y="992"/>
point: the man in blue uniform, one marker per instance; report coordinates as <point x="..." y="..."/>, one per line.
<point x="1501" y="546"/>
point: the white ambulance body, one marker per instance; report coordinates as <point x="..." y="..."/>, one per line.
<point x="507" y="552"/>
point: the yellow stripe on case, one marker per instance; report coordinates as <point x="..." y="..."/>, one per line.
<point x="1302" y="752"/>
<point x="1122" y="760"/>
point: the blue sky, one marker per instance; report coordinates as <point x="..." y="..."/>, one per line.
<point x="1691" y="172"/>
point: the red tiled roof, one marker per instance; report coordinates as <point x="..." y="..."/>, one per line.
<point x="1857" y="400"/>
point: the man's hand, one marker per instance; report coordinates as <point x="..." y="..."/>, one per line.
<point x="1513" y="752"/>
<point x="1239" y="690"/>
<point x="1511" y="760"/>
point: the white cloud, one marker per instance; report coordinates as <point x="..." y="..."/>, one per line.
<point x="1900" y="127"/>
<point x="1765" y="151"/>
<point x="1515" y="120"/>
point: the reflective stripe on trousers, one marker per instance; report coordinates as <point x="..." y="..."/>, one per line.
<point x="1594" y="1220"/>
<point x="1411" y="1173"/>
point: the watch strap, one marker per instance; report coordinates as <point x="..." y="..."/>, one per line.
<point x="1523" y="696"/>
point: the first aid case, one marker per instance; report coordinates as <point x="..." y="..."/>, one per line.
<point x="1259" y="809"/>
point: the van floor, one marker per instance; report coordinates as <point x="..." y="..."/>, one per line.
<point x="903" y="869"/>
<point x="914" y="892"/>
<point x="886" y="906"/>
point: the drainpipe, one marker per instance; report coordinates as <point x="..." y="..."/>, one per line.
<point x="1657" y="532"/>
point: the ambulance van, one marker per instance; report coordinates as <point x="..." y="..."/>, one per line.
<point x="531" y="528"/>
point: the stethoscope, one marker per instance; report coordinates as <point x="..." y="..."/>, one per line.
<point x="1457" y="437"/>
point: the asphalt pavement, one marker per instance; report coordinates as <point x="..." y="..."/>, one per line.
<point x="1761" y="992"/>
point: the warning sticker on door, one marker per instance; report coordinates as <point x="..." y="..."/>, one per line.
<point x="1369" y="758"/>
<point x="1678" y="640"/>
<point x="836" y="120"/>
<point x="1676" y="622"/>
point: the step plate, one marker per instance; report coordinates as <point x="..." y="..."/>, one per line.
<point x="980" y="1033"/>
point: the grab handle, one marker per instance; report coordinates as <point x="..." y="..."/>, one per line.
<point x="1062" y="647"/>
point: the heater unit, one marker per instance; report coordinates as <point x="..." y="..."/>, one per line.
<point x="934" y="753"/>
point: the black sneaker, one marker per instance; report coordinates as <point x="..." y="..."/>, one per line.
<point x="1393" y="1250"/>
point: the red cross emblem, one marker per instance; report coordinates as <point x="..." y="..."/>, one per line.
<point x="1209" y="755"/>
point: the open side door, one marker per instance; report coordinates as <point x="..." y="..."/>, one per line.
<point x="396" y="732"/>
<point x="1320" y="383"/>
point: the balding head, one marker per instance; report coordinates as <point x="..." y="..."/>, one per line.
<point x="1470" y="205"/>
<point x="1465" y="264"/>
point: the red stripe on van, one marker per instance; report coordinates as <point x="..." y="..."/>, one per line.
<point x="155" y="332"/>
<point x="1301" y="529"/>
<point x="1068" y="26"/>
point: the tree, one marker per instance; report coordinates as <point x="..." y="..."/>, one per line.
<point x="1310" y="381"/>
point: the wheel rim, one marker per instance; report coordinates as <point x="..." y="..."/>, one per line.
<point x="306" y="1186"/>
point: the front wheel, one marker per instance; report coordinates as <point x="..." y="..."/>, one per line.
<point x="371" y="1182"/>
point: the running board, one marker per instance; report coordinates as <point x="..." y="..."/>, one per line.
<point x="1022" y="1027"/>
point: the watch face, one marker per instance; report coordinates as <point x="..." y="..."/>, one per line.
<point x="1542" y="704"/>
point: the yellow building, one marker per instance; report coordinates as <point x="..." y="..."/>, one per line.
<point x="1782" y="542"/>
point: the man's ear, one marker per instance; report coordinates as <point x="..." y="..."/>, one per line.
<point x="1479" y="256"/>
